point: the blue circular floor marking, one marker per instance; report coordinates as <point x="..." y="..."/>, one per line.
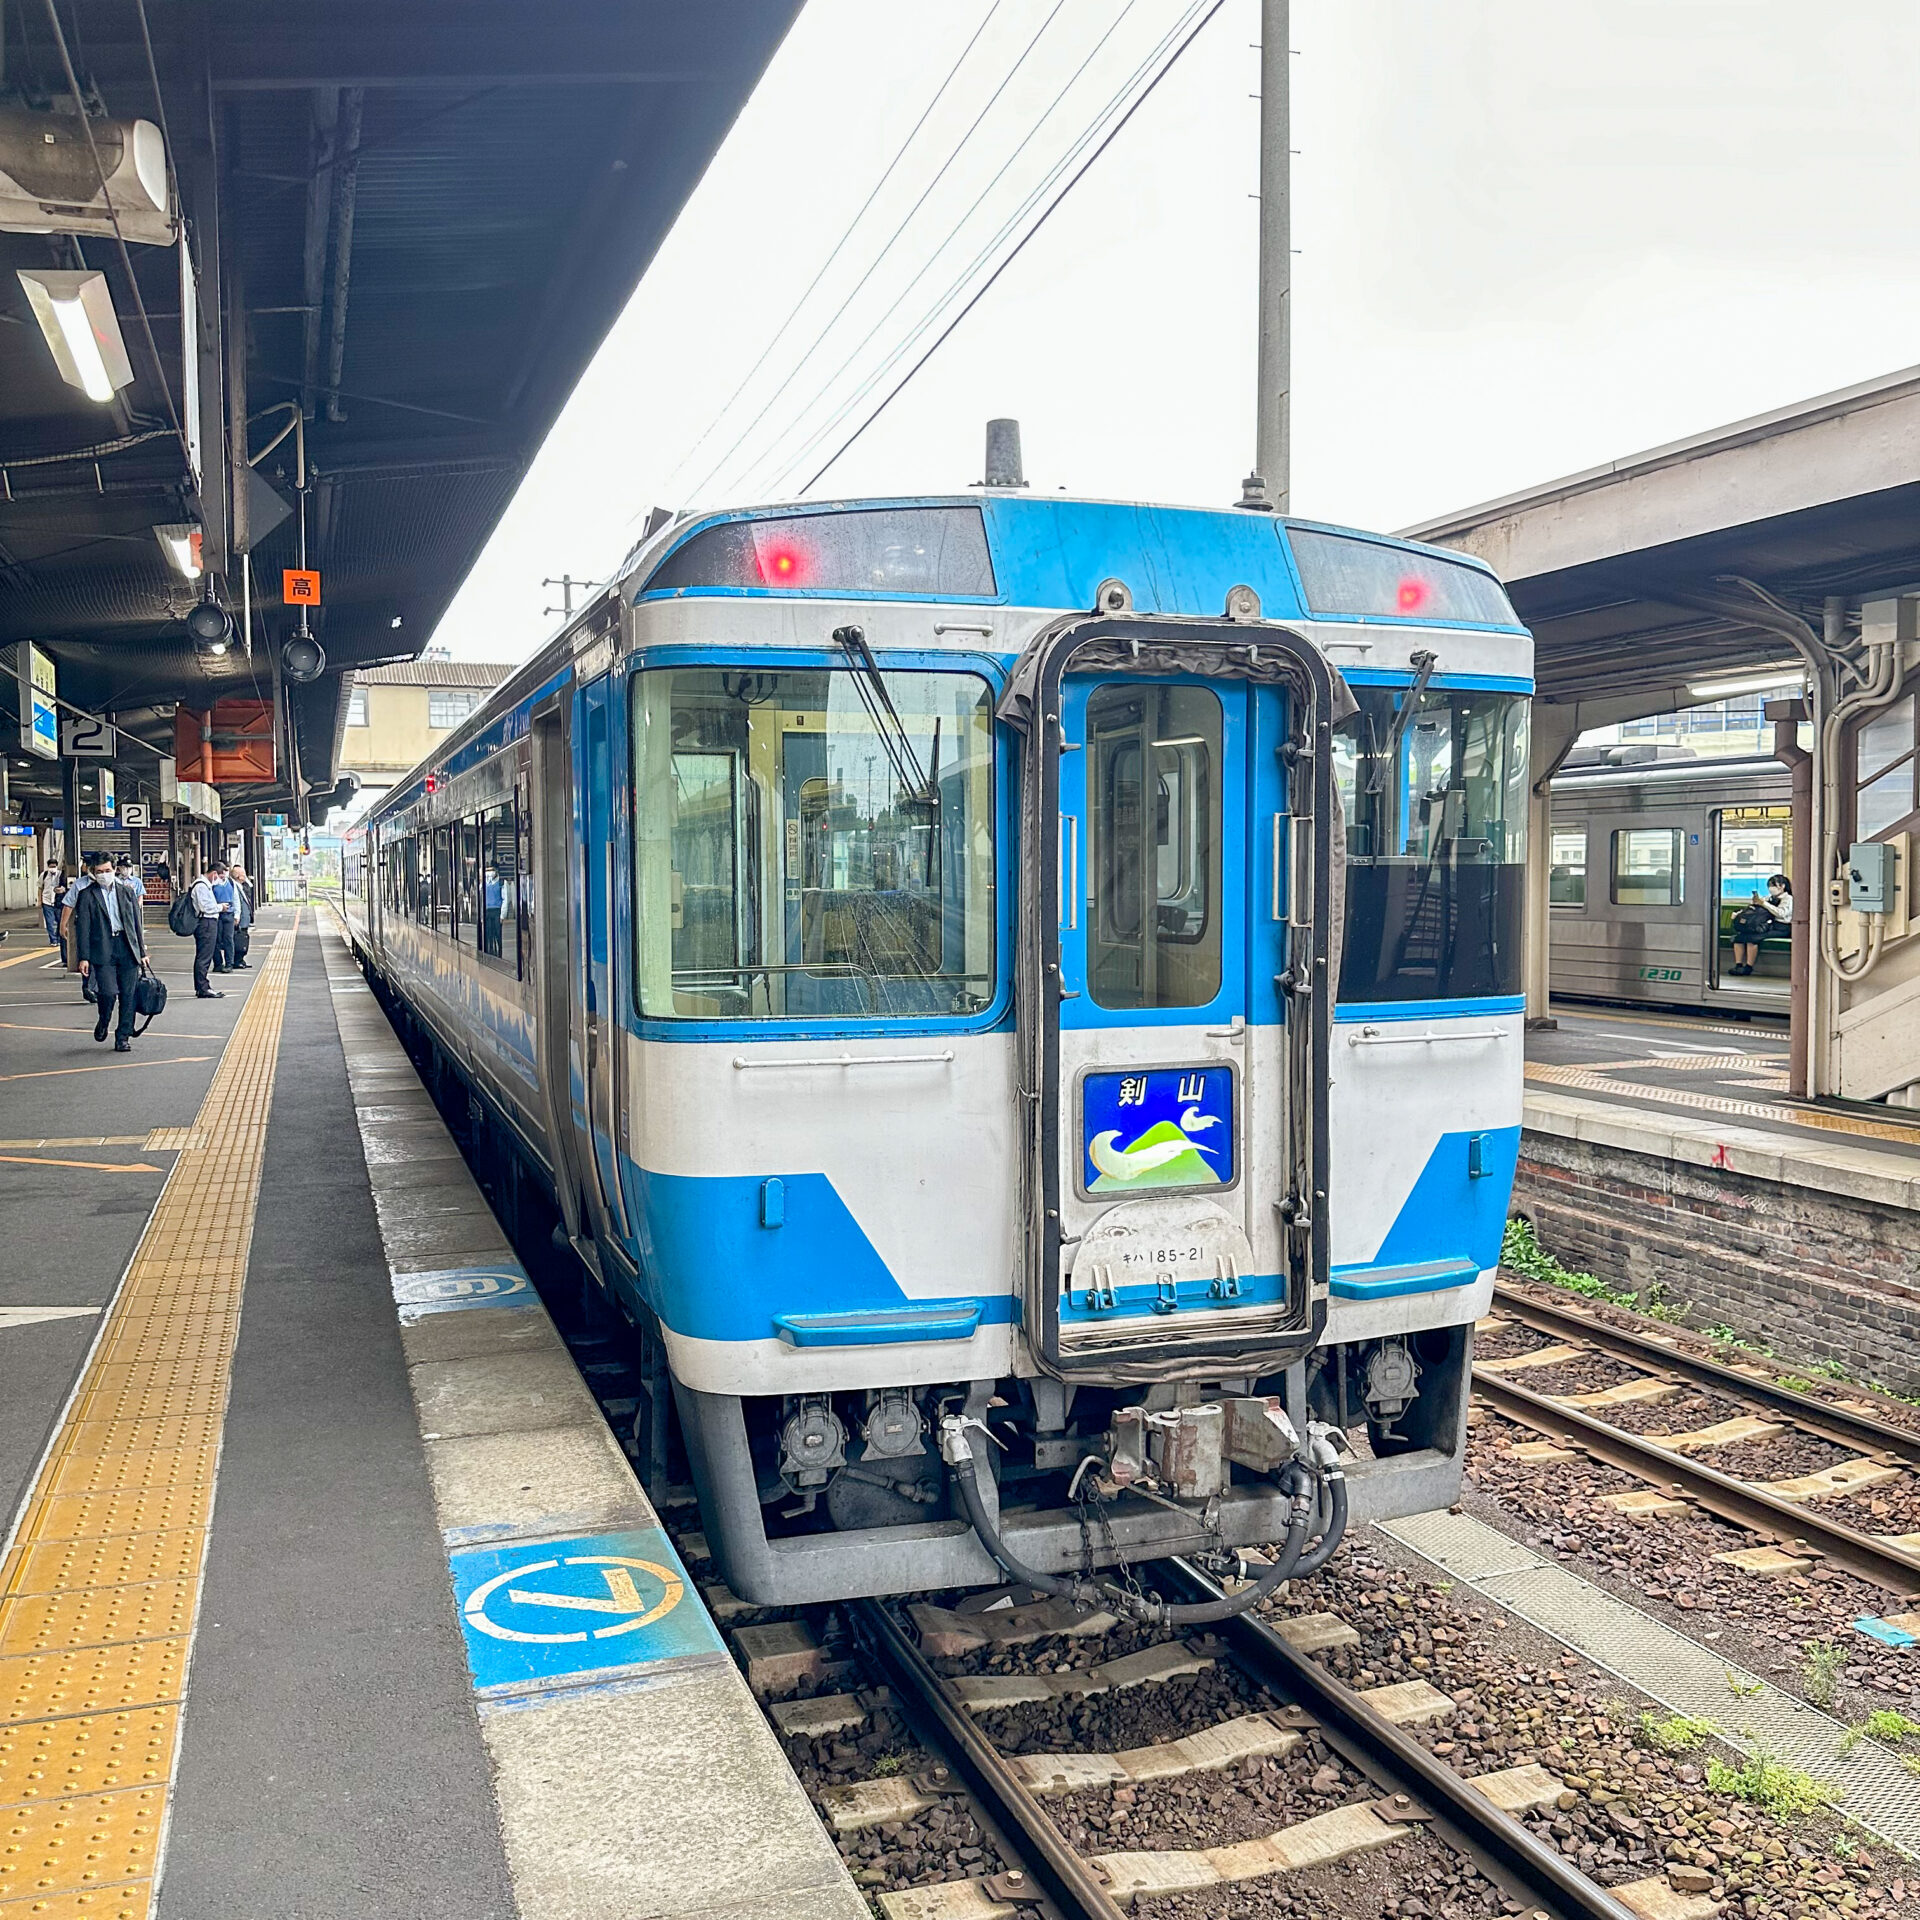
<point x="560" y="1612"/>
<point x="516" y="1614"/>
<point x="499" y="1285"/>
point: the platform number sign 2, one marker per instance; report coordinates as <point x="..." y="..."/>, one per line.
<point x="82" y="737"/>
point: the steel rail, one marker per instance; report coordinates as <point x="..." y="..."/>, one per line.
<point x="1463" y="1816"/>
<point x="1068" y="1878"/>
<point x="1839" y="1424"/>
<point x="1735" y="1500"/>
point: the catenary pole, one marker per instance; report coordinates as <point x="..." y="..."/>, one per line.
<point x="1273" y="453"/>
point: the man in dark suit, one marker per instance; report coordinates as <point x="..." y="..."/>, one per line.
<point x="112" y="947"/>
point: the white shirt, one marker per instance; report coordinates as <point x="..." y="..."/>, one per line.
<point x="202" y="897"/>
<point x="50" y="887"/>
<point x="1781" y="909"/>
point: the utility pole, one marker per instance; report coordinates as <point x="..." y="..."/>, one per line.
<point x="566" y="583"/>
<point x="1273" y="451"/>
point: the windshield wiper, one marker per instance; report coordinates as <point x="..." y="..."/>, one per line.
<point x="1423" y="666"/>
<point x="871" y="684"/>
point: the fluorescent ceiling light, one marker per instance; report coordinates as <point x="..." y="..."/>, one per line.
<point x="75" y="311"/>
<point x="181" y="544"/>
<point x="1761" y="680"/>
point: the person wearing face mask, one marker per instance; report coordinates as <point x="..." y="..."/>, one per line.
<point x="1760" y="917"/>
<point x="112" y="946"/>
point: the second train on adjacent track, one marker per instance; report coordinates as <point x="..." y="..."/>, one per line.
<point x="1018" y="1000"/>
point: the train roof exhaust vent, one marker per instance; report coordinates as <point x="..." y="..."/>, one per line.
<point x="1003" y="455"/>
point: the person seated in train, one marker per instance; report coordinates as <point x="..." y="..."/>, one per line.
<point x="1760" y="917"/>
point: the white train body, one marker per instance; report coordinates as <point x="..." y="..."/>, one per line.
<point x="899" y="941"/>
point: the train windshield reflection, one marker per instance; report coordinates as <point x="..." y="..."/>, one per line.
<point x="802" y="850"/>
<point x="1436" y="813"/>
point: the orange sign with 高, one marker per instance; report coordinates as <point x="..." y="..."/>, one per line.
<point x="299" y="587"/>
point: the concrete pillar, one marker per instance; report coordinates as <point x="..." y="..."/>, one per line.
<point x="1554" y="730"/>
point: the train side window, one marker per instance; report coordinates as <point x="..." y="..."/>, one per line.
<point x="1567" y="882"/>
<point x="466" y="834"/>
<point x="420" y="878"/>
<point x="1647" y="868"/>
<point x="523" y="866"/>
<point x="442" y="920"/>
<point x="498" y="887"/>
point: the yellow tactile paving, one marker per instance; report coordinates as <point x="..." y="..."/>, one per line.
<point x="51" y="1759"/>
<point x="130" y="1902"/>
<point x="139" y="1673"/>
<point x="89" y="1437"/>
<point x="87" y="1516"/>
<point x="47" y="1622"/>
<point x="69" y="1845"/>
<point x="144" y="1472"/>
<point x="127" y="1559"/>
<point x="100" y="1582"/>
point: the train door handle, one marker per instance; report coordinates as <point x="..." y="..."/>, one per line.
<point x="1070" y="871"/>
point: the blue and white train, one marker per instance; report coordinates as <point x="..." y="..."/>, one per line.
<point x="1018" y="1000"/>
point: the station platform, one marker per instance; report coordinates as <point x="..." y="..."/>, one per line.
<point x="1662" y="1154"/>
<point x="325" y="1591"/>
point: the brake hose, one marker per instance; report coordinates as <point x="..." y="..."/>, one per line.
<point x="1295" y="1478"/>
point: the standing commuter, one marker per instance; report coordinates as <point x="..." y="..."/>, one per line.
<point x="69" y="953"/>
<point x="206" y="937"/>
<point x="112" y="945"/>
<point x="242" y="915"/>
<point x="53" y="883"/>
<point x="223" y="892"/>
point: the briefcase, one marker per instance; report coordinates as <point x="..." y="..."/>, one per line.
<point x="149" y="1000"/>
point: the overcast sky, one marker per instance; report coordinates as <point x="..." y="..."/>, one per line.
<point x="1530" y="237"/>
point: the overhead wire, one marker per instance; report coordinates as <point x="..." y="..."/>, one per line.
<point x="839" y="247"/>
<point x="1139" y="100"/>
<point x="874" y="265"/>
<point x="814" y="437"/>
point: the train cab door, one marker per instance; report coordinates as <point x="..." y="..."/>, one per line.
<point x="1182" y="1129"/>
<point x="599" y="794"/>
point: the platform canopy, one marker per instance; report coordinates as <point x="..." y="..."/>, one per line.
<point x="1639" y="577"/>
<point x="416" y="222"/>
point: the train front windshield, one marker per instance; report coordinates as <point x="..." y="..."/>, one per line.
<point x="1435" y="798"/>
<point x="813" y="843"/>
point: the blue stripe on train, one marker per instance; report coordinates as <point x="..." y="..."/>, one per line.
<point x="715" y="1268"/>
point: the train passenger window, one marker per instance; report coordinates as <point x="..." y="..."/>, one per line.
<point x="466" y="836"/>
<point x="1567" y="879"/>
<point x="1153" y="839"/>
<point x="1647" y="868"/>
<point x="499" y="877"/>
<point x="440" y="916"/>
<point x="1435" y="798"/>
<point x="420" y="877"/>
<point x="524" y="868"/>
<point x="812" y="844"/>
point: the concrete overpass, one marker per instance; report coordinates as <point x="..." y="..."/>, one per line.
<point x="1793" y="536"/>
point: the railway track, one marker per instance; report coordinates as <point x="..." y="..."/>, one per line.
<point x="1861" y="1425"/>
<point x="1413" y="1788"/>
<point x="1794" y="1519"/>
